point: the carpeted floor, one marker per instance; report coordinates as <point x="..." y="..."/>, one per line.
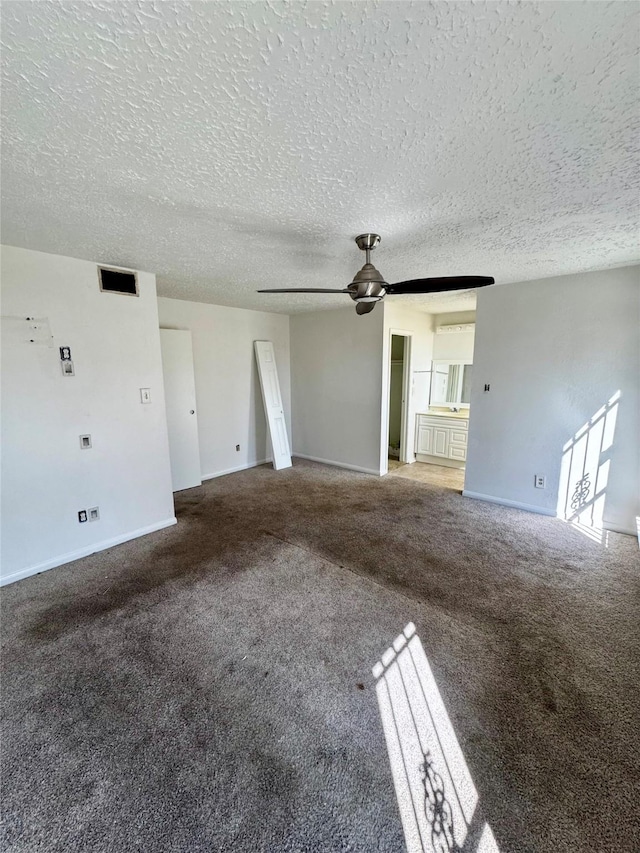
<point x="209" y="687"/>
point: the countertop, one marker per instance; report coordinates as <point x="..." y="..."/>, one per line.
<point x="445" y="414"/>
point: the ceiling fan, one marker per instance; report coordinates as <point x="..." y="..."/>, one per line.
<point x="368" y="286"/>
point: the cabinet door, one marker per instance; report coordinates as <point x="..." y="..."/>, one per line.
<point x="424" y="440"/>
<point x="459" y="436"/>
<point x="440" y="442"/>
<point x="458" y="445"/>
<point x="457" y="451"/>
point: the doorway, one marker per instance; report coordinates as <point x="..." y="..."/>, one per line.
<point x="398" y="451"/>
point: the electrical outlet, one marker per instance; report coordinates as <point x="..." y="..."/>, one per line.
<point x="145" y="395"/>
<point x="237" y="447"/>
<point x="540" y="481"/>
<point x="82" y="516"/>
<point x="85" y="442"/>
<point x="94" y="513"/>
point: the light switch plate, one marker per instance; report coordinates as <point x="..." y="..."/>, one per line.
<point x="145" y="395"/>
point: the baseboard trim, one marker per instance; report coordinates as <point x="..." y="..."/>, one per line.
<point x="504" y="502"/>
<point x="86" y="552"/>
<point x="237" y="468"/>
<point x="335" y="464"/>
<point x="615" y="528"/>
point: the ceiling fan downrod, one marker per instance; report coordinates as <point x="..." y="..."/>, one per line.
<point x="367" y="242"/>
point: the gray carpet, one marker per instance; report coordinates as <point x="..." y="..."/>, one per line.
<point x="209" y="687"/>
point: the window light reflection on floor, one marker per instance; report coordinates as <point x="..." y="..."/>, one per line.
<point x="438" y="802"/>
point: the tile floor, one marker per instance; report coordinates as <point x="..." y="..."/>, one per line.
<point x="436" y="475"/>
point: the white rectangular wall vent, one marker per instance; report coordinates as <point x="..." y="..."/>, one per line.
<point x="118" y="281"/>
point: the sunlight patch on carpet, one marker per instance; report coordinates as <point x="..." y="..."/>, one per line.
<point x="438" y="801"/>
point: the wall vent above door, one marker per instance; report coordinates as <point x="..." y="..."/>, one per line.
<point x="118" y="281"/>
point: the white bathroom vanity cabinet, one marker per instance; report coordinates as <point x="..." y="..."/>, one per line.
<point x="442" y="439"/>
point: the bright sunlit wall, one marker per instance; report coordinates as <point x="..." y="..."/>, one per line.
<point x="555" y="352"/>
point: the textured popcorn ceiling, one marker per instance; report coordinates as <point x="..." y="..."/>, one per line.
<point x="230" y="146"/>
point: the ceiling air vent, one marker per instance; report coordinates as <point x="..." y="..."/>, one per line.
<point x="118" y="281"/>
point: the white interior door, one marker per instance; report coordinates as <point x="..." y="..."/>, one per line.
<point x="273" y="410"/>
<point x="180" y="400"/>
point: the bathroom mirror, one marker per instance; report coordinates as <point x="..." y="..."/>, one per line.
<point x="451" y="383"/>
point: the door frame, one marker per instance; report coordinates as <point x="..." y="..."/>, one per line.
<point x="406" y="446"/>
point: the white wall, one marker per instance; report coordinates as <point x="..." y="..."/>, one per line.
<point x="229" y="404"/>
<point x="454" y="346"/>
<point x="336" y="384"/>
<point x="554" y="352"/>
<point x="46" y="477"/>
<point x="397" y="319"/>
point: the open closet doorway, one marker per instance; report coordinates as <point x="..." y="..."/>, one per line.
<point x="399" y="399"/>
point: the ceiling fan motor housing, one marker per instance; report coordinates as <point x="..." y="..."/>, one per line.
<point x="367" y="285"/>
